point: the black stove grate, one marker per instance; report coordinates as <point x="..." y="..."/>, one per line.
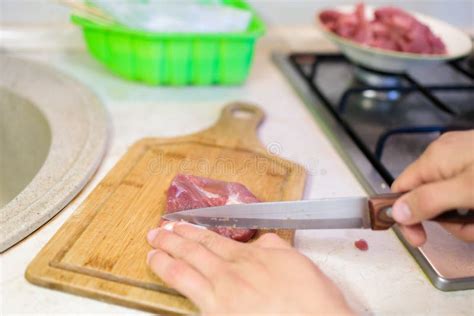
<point x="456" y="77"/>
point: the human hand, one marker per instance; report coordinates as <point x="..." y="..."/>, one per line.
<point x="223" y="277"/>
<point x="441" y="179"/>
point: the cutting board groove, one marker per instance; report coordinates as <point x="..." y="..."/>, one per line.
<point x="100" y="251"/>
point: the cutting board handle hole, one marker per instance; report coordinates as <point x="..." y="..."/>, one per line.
<point x="243" y="114"/>
<point x="239" y="121"/>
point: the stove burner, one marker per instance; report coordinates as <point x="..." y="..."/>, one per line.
<point x="379" y="80"/>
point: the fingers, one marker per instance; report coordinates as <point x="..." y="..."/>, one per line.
<point x="222" y="246"/>
<point x="181" y="277"/>
<point x="425" y="169"/>
<point x="414" y="234"/>
<point x="440" y="180"/>
<point x="271" y="240"/>
<point x="463" y="232"/>
<point x="444" y="158"/>
<point x="429" y="200"/>
<point x="410" y="178"/>
<point x="189" y="251"/>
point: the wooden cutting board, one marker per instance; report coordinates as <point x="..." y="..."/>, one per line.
<point x="100" y="251"/>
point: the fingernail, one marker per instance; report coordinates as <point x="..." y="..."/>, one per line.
<point x="168" y="226"/>
<point x="401" y="212"/>
<point x="150" y="254"/>
<point x="151" y="235"/>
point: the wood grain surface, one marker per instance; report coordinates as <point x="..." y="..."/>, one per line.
<point x="100" y="251"/>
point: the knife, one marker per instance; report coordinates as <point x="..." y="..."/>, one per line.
<point x="354" y="212"/>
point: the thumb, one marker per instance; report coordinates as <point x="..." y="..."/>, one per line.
<point x="429" y="200"/>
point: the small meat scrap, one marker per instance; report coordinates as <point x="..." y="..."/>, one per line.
<point x="390" y="29"/>
<point x="361" y="244"/>
<point x="189" y="192"/>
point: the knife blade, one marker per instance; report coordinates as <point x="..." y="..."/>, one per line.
<point x="306" y="214"/>
<point x="353" y="212"/>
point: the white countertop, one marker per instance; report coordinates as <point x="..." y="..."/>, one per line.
<point x="383" y="280"/>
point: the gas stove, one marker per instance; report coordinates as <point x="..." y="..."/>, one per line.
<point x="381" y="122"/>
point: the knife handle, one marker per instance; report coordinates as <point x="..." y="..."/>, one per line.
<point x="380" y="210"/>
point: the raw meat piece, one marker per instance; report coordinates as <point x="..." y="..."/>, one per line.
<point x="361" y="244"/>
<point x="391" y="29"/>
<point x="189" y="192"/>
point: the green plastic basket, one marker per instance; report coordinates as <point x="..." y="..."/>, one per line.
<point x="174" y="58"/>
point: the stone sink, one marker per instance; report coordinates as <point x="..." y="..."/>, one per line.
<point x="53" y="135"/>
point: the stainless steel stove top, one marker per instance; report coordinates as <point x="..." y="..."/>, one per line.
<point x="381" y="122"/>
